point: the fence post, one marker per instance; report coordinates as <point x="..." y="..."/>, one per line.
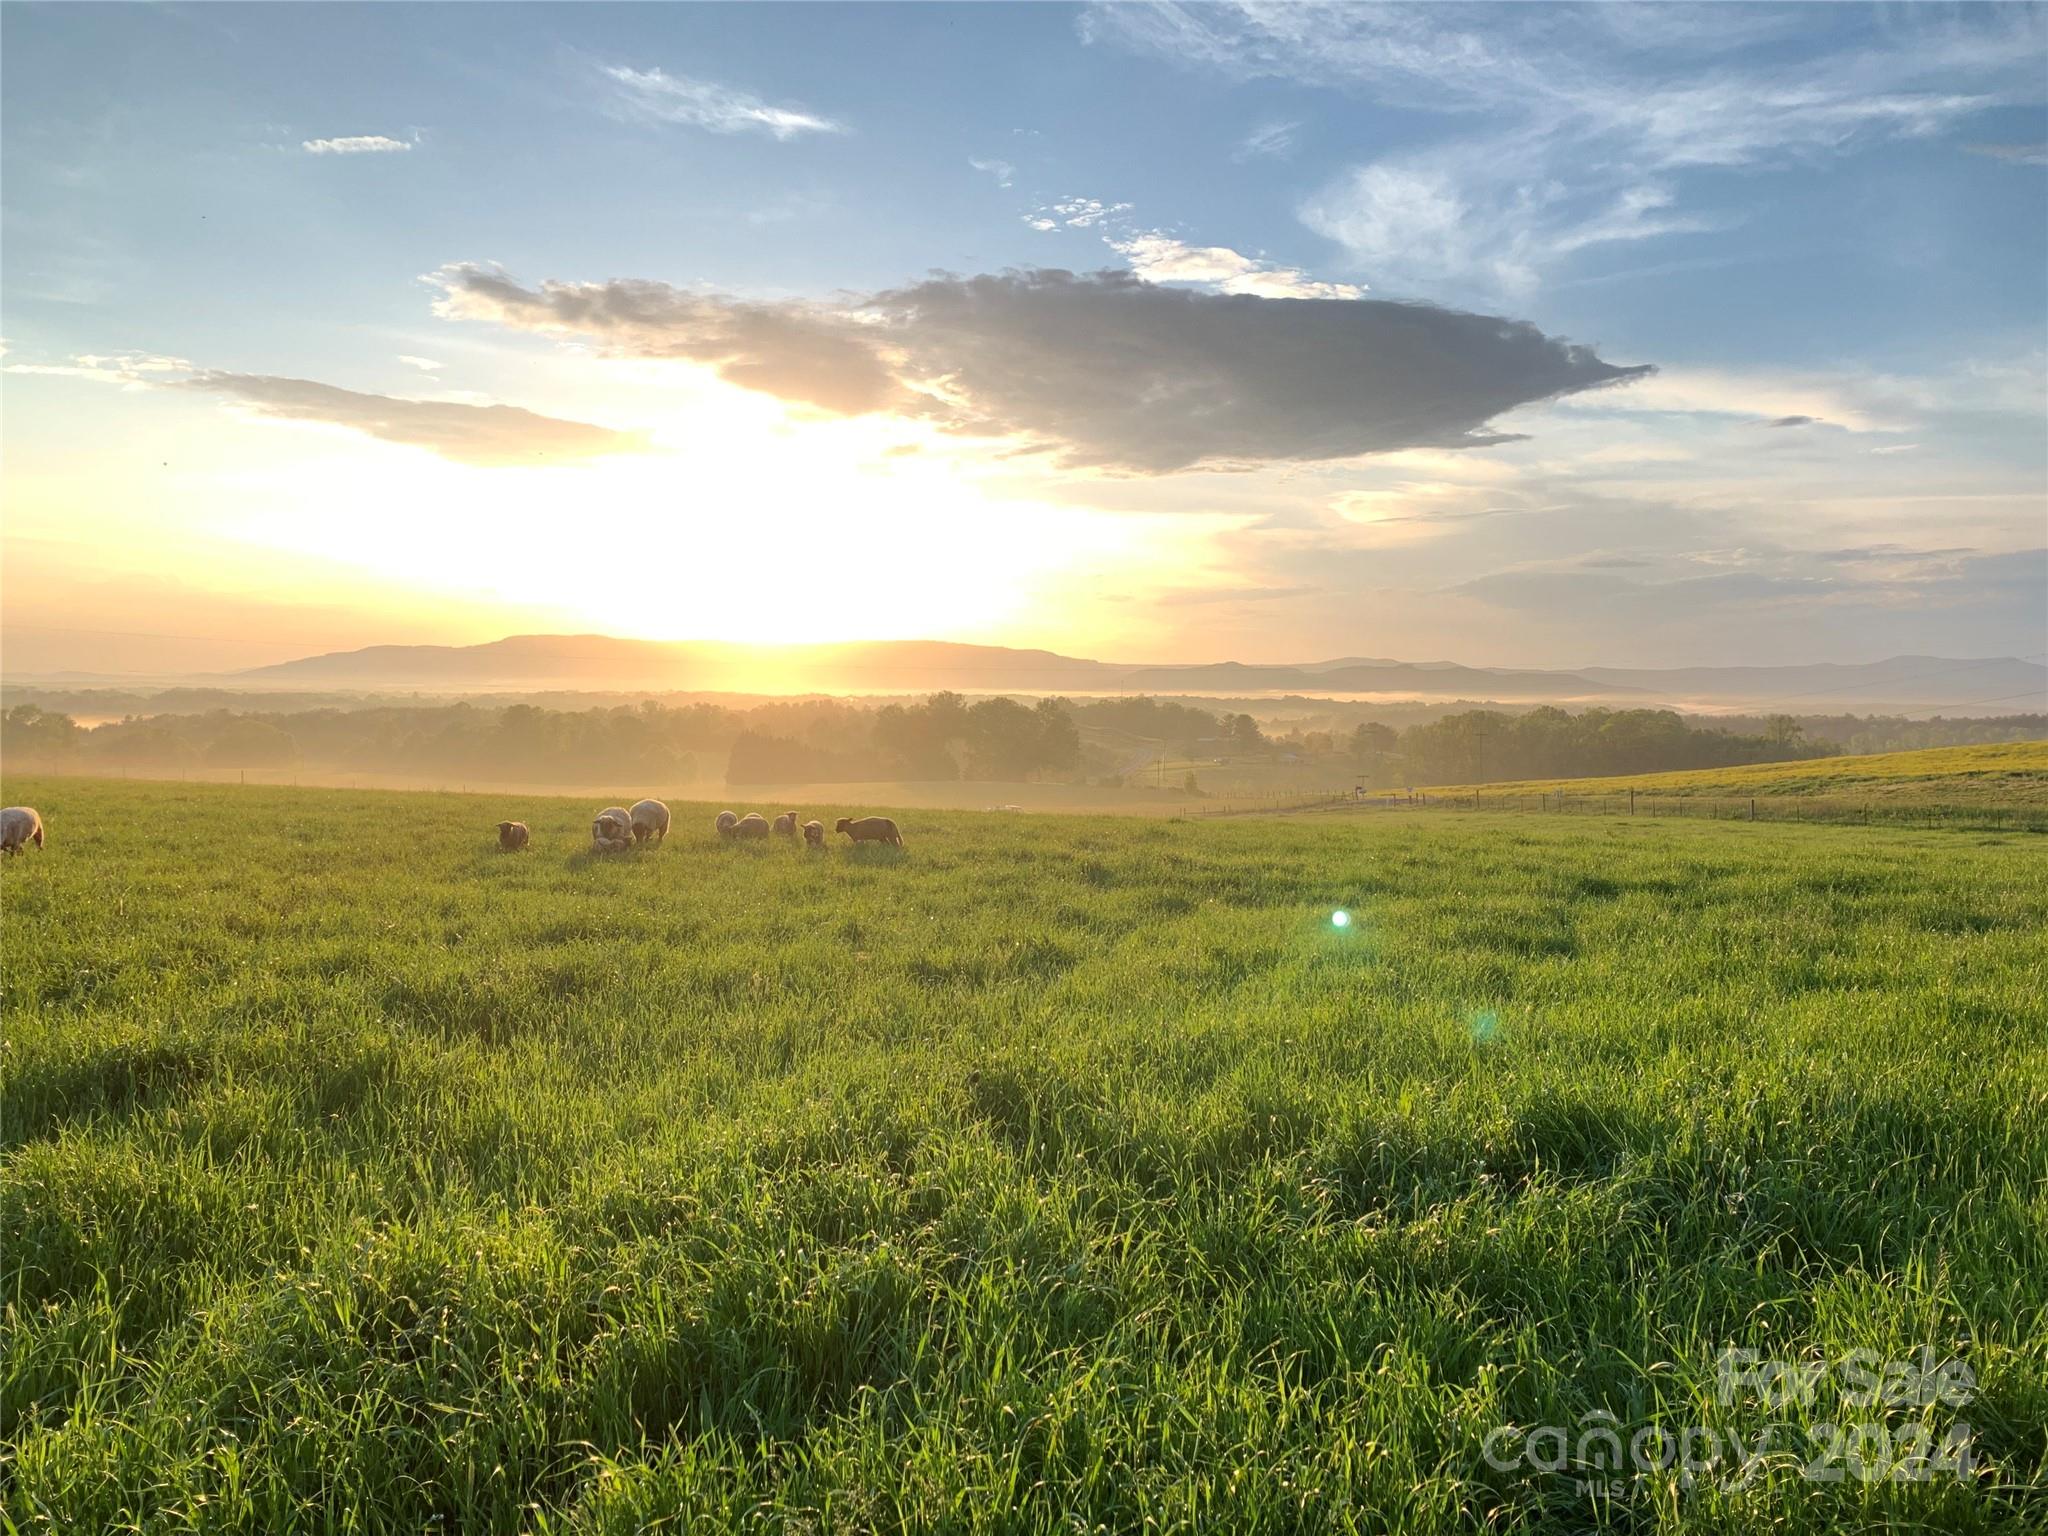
<point x="1631" y="802"/>
<point x="1752" y="807"/>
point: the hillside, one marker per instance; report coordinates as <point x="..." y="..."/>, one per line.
<point x="1913" y="684"/>
<point x="2012" y="773"/>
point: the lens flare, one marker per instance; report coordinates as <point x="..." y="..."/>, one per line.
<point x="1340" y="919"/>
<point x="1485" y="1025"/>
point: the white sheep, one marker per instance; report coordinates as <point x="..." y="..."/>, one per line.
<point x="753" y="824"/>
<point x="785" y="824"/>
<point x="650" y="819"/>
<point x="20" y="826"/>
<point x="612" y="830"/>
<point x="814" y="834"/>
<point x="727" y="820"/>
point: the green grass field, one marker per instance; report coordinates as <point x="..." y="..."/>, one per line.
<point x="1054" y="1175"/>
<point x="2008" y="774"/>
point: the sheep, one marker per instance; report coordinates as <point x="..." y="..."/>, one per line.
<point x="20" y="826"/>
<point x="612" y="830"/>
<point x="870" y="829"/>
<point x="785" y="824"/>
<point x="650" y="819"/>
<point x="751" y="825"/>
<point x="725" y="823"/>
<point x="814" y="834"/>
<point x="512" y="835"/>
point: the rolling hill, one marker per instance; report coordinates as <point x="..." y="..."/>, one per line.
<point x="1901" y="683"/>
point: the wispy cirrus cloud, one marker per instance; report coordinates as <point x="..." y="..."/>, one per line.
<point x="1593" y="121"/>
<point x="2014" y="154"/>
<point x="657" y="96"/>
<point x="359" y="144"/>
<point x="1100" y="370"/>
<point x="1004" y="172"/>
<point x="131" y="370"/>
<point x="1267" y="141"/>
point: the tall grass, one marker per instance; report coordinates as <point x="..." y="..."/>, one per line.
<point x="1055" y="1174"/>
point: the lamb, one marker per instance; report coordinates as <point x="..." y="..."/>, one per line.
<point x="870" y="829"/>
<point x="512" y="836"/>
<point x="814" y="834"/>
<point x="725" y="823"/>
<point x="751" y="825"/>
<point x="650" y="819"/>
<point x="612" y="830"/>
<point x="785" y="824"/>
<point x="20" y="826"/>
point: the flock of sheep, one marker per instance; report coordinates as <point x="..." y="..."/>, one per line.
<point x="617" y="828"/>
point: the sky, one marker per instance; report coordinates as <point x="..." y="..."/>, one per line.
<point x="1532" y="335"/>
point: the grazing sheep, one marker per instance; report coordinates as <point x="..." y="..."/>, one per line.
<point x="512" y="835"/>
<point x="814" y="834"/>
<point x="785" y="824"/>
<point x="20" y="826"/>
<point x="870" y="829"/>
<point x="725" y="823"/>
<point x="612" y="830"/>
<point x="650" y="819"/>
<point x="751" y="825"/>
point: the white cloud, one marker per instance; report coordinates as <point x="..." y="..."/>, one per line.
<point x="1004" y="172"/>
<point x="661" y="97"/>
<point x="1078" y="213"/>
<point x="424" y="364"/>
<point x="1159" y="258"/>
<point x="361" y="144"/>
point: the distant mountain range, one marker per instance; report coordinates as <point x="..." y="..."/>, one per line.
<point x="2000" y="685"/>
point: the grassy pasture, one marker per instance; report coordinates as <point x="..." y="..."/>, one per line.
<point x="1056" y="1174"/>
<point x="2013" y="774"/>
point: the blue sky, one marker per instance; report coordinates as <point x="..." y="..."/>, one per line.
<point x="310" y="255"/>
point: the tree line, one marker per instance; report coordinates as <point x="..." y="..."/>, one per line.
<point x="813" y="740"/>
<point x="1483" y="746"/>
<point x="943" y="736"/>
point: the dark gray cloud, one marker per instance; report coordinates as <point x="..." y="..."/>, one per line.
<point x="1795" y="421"/>
<point x="489" y="435"/>
<point x="1100" y="368"/>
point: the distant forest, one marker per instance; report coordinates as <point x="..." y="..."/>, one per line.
<point x="944" y="736"/>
